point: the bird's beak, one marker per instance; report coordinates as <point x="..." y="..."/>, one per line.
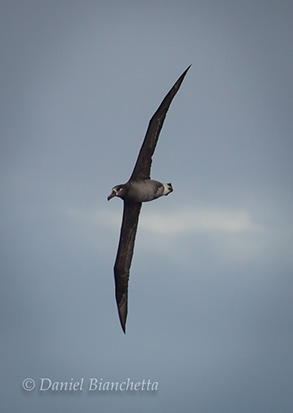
<point x="113" y="193"/>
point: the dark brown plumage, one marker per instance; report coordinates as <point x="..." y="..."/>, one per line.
<point x="138" y="189"/>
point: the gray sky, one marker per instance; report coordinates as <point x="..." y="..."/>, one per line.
<point x="210" y="294"/>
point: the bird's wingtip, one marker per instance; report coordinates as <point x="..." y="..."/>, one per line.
<point x="123" y="324"/>
<point x="122" y="311"/>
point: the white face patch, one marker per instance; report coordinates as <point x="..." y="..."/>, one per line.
<point x="117" y="189"/>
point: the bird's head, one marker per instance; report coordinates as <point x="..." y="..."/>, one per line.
<point x="118" y="190"/>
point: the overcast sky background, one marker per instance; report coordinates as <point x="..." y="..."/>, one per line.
<point x="210" y="294"/>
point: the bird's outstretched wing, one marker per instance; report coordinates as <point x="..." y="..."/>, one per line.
<point x="143" y="164"/>
<point x="124" y="256"/>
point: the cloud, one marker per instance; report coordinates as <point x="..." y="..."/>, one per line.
<point x="212" y="231"/>
<point x="187" y="220"/>
<point x="98" y="217"/>
<point x="198" y="220"/>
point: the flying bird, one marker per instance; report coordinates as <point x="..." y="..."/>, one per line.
<point x="139" y="188"/>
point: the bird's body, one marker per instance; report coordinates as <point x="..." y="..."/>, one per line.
<point x="144" y="190"/>
<point x="139" y="188"/>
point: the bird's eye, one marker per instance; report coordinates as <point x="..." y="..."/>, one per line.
<point x="120" y="189"/>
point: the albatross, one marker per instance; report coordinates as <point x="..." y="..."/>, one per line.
<point x="139" y="188"/>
